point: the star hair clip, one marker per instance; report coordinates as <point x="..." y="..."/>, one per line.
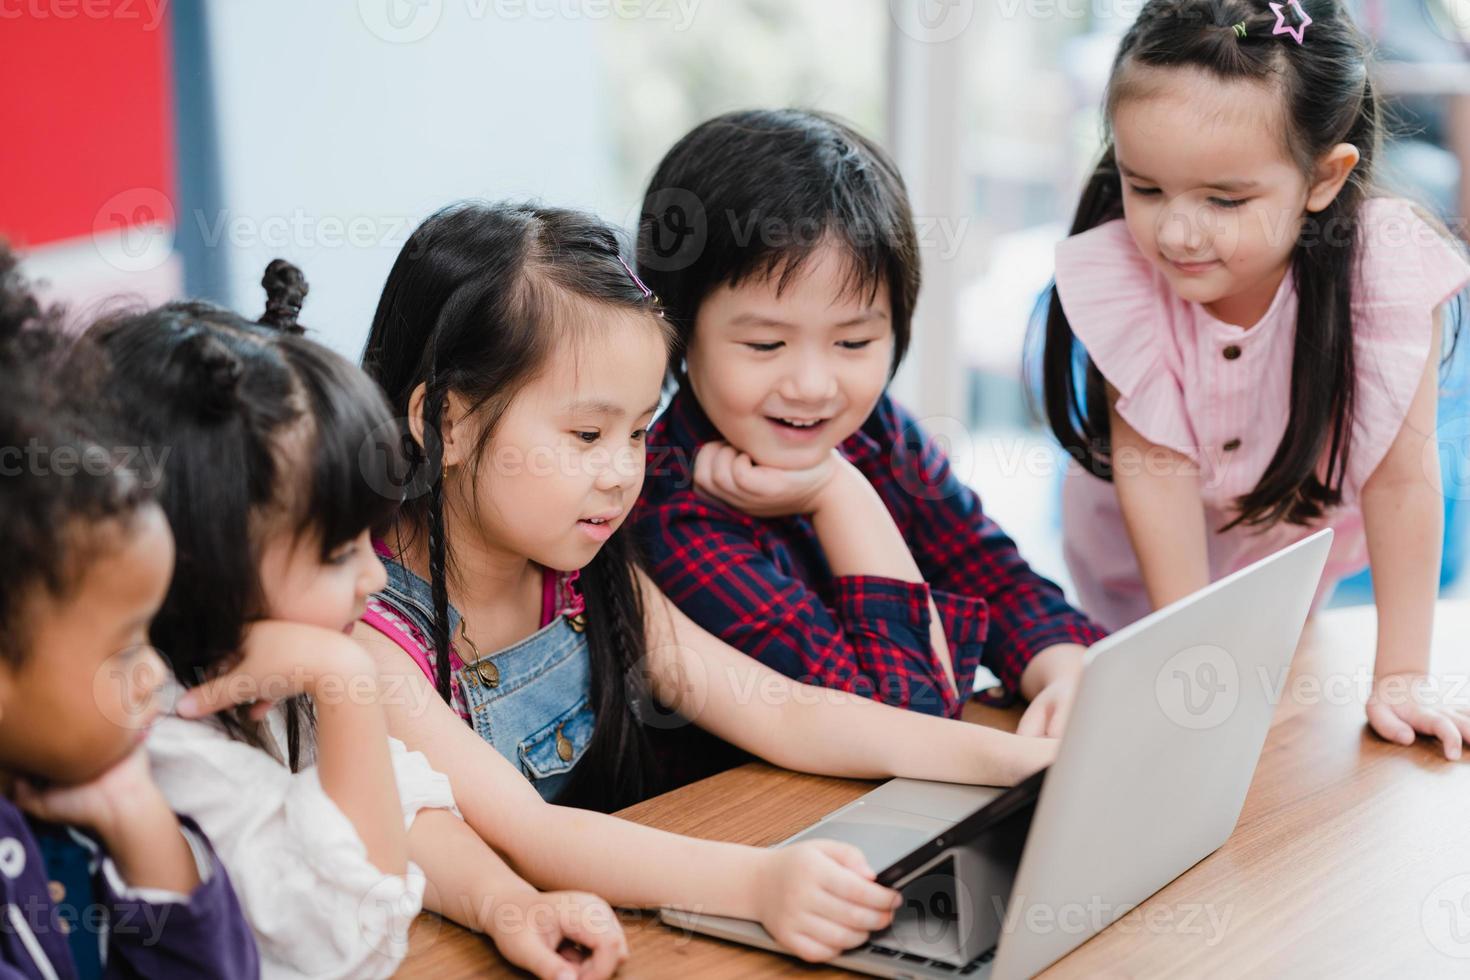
<point x="1302" y="17"/>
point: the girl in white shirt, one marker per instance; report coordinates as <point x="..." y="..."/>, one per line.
<point x="334" y="834"/>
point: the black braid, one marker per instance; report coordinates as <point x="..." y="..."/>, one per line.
<point x="438" y="576"/>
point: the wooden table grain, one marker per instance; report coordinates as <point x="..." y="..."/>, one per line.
<point x="1351" y="857"/>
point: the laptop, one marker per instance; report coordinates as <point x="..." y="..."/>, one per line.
<point x="1149" y="779"/>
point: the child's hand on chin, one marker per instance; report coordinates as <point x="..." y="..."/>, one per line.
<point x="730" y="476"/>
<point x="102" y="805"/>
<point x="1404" y="706"/>
<point x="127" y="810"/>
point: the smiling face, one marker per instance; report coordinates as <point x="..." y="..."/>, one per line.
<point x="788" y="375"/>
<point x="564" y="464"/>
<point x="1210" y="194"/>
<point x="82" y="698"/>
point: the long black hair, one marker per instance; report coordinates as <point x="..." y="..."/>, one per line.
<point x="53" y="505"/>
<point x="264" y="432"/>
<point x="1329" y="98"/>
<point x="472" y="307"/>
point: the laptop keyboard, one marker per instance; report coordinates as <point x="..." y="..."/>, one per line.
<point x="959" y="971"/>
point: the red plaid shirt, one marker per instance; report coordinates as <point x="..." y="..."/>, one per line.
<point x="764" y="586"/>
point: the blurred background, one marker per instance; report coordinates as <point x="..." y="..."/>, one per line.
<point x="159" y="148"/>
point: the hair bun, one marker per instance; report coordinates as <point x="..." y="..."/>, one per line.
<point x="215" y="371"/>
<point x="285" y="290"/>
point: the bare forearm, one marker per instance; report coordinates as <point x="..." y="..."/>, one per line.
<point x="878" y="741"/>
<point x="1158" y="493"/>
<point x="356" y="771"/>
<point x="627" y="864"/>
<point x="1049" y="665"/>
<point x="149" y="849"/>
<point x="465" y="879"/>
<point x="857" y="533"/>
<point x="1403" y="518"/>
<point x="1166" y="523"/>
<point x="1405" y="528"/>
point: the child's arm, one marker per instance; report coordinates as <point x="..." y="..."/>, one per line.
<point x="125" y="809"/>
<point x="1403" y="514"/>
<point x="859" y="538"/>
<point x="814" y="729"/>
<point x="353" y="763"/>
<point x="297" y="858"/>
<point x="851" y="522"/>
<point x="816" y="898"/>
<point x="872" y="636"/>
<point x="468" y="883"/>
<point x="1159" y="494"/>
<point x="155" y="869"/>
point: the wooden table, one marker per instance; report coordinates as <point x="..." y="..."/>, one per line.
<point x="1351" y="858"/>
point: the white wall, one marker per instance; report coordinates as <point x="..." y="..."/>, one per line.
<point x="342" y="124"/>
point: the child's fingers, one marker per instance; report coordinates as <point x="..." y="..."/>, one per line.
<point x="847" y="856"/>
<point x="845" y="913"/>
<point x="1462" y="722"/>
<point x="706" y="466"/>
<point x="850" y="888"/>
<point x="715" y="458"/>
<point x="1034" y="719"/>
<point x="832" y="935"/>
<point x="724" y="471"/>
<point x="852" y="880"/>
<point x="1443" y="728"/>
<point x="809" y="949"/>
<point x="1389" y="726"/>
<point x="701" y="467"/>
<point x="214" y="696"/>
<point x="1428" y="721"/>
<point x="743" y="474"/>
<point x="30" y="799"/>
<point x="534" y="956"/>
<point x="605" y="960"/>
<point x="604" y="938"/>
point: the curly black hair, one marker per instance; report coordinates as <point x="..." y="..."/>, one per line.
<point x="59" y="480"/>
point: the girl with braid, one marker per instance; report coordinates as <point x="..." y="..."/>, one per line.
<point x="526" y="359"/>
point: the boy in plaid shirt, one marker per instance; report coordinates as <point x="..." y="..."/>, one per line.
<point x="791" y="507"/>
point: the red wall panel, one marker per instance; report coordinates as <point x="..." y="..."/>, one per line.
<point x="86" y="115"/>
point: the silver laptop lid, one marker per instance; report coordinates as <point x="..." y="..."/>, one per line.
<point x="1159" y="752"/>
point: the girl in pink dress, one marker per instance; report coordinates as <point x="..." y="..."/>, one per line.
<point x="1243" y="341"/>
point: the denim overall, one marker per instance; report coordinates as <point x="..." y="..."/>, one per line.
<point x="531" y="700"/>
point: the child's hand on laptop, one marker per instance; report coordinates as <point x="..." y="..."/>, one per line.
<point x="1405" y="705"/>
<point x="1050" y="682"/>
<point x="818" y="898"/>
